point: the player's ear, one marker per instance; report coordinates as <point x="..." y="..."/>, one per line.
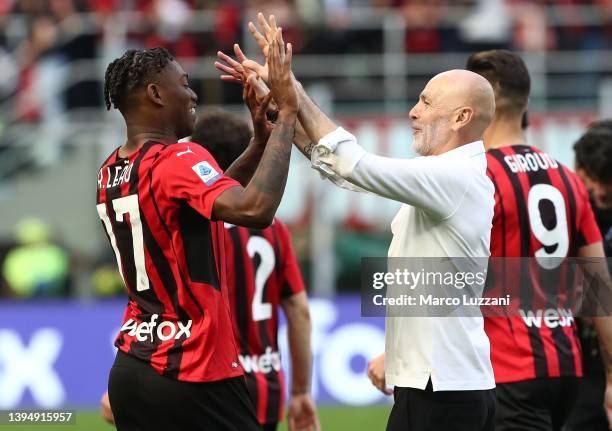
<point x="462" y="117"/>
<point x="154" y="94"/>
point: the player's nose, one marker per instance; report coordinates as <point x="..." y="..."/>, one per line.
<point x="194" y="96"/>
<point x="413" y="114"/>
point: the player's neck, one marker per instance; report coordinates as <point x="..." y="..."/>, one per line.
<point x="503" y="133"/>
<point x="138" y="135"/>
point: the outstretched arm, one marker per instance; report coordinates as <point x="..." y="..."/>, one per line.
<point x="255" y="205"/>
<point x="234" y="71"/>
<point x="339" y="157"/>
<point x="314" y="121"/>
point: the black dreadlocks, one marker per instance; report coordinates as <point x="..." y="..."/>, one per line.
<point x="132" y="70"/>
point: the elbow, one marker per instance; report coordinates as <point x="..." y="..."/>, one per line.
<point x="263" y="222"/>
<point x="257" y="218"/>
<point x="301" y="316"/>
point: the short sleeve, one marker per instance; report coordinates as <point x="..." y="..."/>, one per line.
<point x="187" y="172"/>
<point x="293" y="282"/>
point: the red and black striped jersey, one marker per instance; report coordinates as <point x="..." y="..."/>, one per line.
<point x="156" y="207"/>
<point x="542" y="209"/>
<point x="262" y="270"/>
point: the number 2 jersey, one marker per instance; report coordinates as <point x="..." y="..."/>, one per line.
<point x="540" y="206"/>
<point x="262" y="271"/>
<point x="155" y="206"/>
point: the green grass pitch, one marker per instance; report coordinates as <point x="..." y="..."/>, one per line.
<point x="332" y="419"/>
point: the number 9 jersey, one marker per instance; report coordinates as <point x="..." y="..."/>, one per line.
<point x="542" y="210"/>
<point x="156" y="207"/>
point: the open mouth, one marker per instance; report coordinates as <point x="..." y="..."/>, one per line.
<point x="192" y="111"/>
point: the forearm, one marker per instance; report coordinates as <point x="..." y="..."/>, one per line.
<point x="301" y="356"/>
<point x="302" y="142"/>
<point x="244" y="167"/>
<point x="314" y="121"/>
<point x="265" y="190"/>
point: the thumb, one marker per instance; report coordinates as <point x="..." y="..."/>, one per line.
<point x="252" y="79"/>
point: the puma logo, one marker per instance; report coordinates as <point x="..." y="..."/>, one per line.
<point x="185" y="152"/>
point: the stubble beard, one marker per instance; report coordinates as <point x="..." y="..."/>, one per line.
<point x="422" y="143"/>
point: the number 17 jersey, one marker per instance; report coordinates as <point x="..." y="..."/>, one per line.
<point x="156" y="207"/>
<point x="541" y="209"/>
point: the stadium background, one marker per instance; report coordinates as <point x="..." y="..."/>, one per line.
<point x="365" y="61"/>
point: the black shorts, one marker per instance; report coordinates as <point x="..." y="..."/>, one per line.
<point x="535" y="405"/>
<point x="143" y="400"/>
<point x="588" y="413"/>
<point x="426" y="410"/>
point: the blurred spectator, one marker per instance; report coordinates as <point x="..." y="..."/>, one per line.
<point x="424" y="31"/>
<point x="486" y="27"/>
<point x="5" y="247"/>
<point x="167" y="19"/>
<point x="285" y="13"/>
<point x="531" y="31"/>
<point x="575" y="34"/>
<point x="36" y="267"/>
<point x="76" y="45"/>
<point x="106" y="280"/>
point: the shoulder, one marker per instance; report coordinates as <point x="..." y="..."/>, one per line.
<point x="186" y="154"/>
<point x="494" y="158"/>
<point x="183" y="151"/>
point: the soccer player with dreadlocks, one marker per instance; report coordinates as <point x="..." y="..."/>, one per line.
<point x="160" y="201"/>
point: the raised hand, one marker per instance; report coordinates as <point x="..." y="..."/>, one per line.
<point x="258" y="108"/>
<point x="269" y="30"/>
<point x="280" y="81"/>
<point x="232" y="70"/>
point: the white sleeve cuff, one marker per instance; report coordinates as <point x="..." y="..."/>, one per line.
<point x="337" y="153"/>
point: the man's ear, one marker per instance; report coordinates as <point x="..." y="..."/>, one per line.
<point x="154" y="94"/>
<point x="462" y="117"/>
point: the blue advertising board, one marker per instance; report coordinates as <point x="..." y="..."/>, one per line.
<point x="58" y="353"/>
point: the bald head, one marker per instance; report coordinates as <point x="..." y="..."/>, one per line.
<point x="455" y="107"/>
<point x="465" y="89"/>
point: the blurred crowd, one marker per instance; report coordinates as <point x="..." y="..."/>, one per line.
<point x="35" y="263"/>
<point x="53" y="54"/>
<point x="50" y="38"/>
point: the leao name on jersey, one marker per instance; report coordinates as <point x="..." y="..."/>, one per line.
<point x="530" y="162"/>
<point x="120" y="175"/>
